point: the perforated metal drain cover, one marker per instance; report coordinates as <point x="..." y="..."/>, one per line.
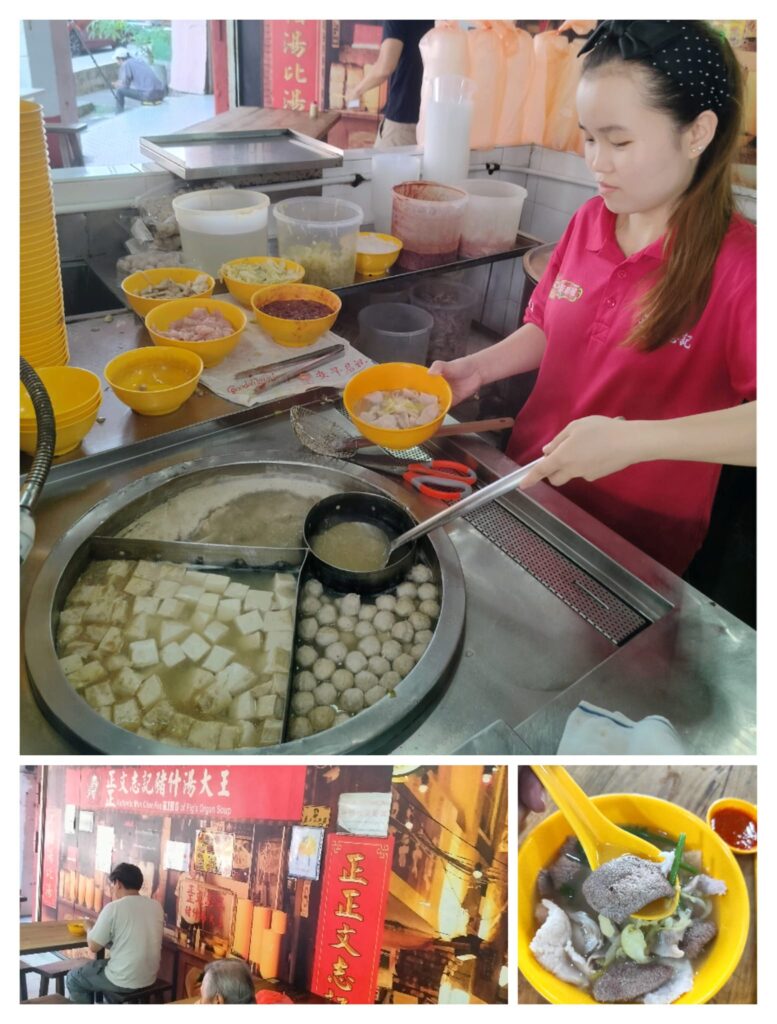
<point x="592" y="601"/>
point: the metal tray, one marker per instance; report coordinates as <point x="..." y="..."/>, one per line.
<point x="193" y="155"/>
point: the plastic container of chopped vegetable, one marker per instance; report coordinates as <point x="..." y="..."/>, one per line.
<point x="321" y="234"/>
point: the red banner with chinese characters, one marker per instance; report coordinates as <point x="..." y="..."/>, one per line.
<point x="354" y="893"/>
<point x="52" y="841"/>
<point x="262" y="792"/>
<point x="292" y="53"/>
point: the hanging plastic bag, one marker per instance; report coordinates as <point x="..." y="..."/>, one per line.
<point x="518" y="52"/>
<point x="444" y="52"/>
<point x="487" y="70"/>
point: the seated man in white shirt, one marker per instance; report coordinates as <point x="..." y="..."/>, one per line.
<point x="131" y="926"/>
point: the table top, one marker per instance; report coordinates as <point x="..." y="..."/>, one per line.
<point x="46" y="936"/>
<point x="693" y="787"/>
<point x="246" y="119"/>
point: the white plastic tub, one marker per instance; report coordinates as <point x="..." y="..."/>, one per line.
<point x="492" y="216"/>
<point x="220" y="224"/>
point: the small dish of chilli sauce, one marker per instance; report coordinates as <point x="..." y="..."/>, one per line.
<point x="736" y="822"/>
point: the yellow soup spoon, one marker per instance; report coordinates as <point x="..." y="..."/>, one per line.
<point x="600" y="838"/>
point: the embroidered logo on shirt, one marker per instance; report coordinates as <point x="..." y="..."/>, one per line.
<point x="565" y="290"/>
<point x="684" y="341"/>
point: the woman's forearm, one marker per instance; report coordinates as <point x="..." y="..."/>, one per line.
<point x="519" y="352"/>
<point x="727" y="436"/>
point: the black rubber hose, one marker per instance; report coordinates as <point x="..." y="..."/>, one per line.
<point x="47" y="436"/>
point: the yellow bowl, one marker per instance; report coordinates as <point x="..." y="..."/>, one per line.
<point x="371" y="264"/>
<point x="68" y="437"/>
<point x="76" y="928"/>
<point x="388" y="377"/>
<point x="71" y="390"/>
<point x="733" y="910"/>
<point x="154" y="381"/>
<point x="736" y="805"/>
<point x="211" y="352"/>
<point x="295" y="333"/>
<point x="243" y="291"/>
<point x="135" y="283"/>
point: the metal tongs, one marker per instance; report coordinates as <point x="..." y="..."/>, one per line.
<point x="290" y="368"/>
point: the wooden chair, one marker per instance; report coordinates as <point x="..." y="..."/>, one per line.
<point x="24" y="970"/>
<point x="58" y="971"/>
<point x="150" y="994"/>
<point x="69" y="139"/>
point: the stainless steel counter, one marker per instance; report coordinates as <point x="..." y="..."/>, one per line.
<point x="527" y="655"/>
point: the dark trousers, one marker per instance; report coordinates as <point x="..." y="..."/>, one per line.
<point x="134" y="94"/>
<point x="84" y="982"/>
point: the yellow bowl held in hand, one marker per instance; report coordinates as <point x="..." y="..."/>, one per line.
<point x="372" y="264"/>
<point x="154" y="381"/>
<point x="732" y="911"/>
<point x="243" y="290"/>
<point x="133" y="285"/>
<point x="289" y="332"/>
<point x="391" y="377"/>
<point x="211" y="351"/>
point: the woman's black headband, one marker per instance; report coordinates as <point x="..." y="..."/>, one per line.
<point x="676" y="49"/>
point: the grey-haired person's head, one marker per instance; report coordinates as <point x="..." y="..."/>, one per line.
<point x="227" y="981"/>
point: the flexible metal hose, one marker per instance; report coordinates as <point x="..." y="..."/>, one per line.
<point x="47" y="436"/>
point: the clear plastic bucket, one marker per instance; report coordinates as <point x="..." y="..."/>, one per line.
<point x="392" y="332"/>
<point x="492" y="216"/>
<point x="220" y="224"/>
<point x="427" y="218"/>
<point x="321" y="234"/>
<point x="452" y="306"/>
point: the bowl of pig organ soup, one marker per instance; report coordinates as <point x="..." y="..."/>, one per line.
<point x="579" y="941"/>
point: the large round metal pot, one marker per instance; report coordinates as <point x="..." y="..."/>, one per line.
<point x="376" y="729"/>
<point x="359" y="507"/>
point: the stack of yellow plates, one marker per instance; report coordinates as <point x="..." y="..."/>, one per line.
<point x="41" y="309"/>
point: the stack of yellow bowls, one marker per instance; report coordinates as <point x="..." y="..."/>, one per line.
<point x="75" y="397"/>
<point x="41" y="310"/>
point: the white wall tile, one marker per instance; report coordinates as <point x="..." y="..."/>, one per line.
<point x="560" y="195"/>
<point x="548" y="224"/>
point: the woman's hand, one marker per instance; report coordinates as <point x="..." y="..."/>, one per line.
<point x="462" y="375"/>
<point x="589" y="448"/>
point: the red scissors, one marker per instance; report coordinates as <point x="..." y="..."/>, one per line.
<point x="438" y="478"/>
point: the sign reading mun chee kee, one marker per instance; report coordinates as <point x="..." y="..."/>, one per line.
<point x="265" y="792"/>
<point x="354" y="893"/>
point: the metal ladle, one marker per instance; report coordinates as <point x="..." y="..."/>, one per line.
<point x="460" y="508"/>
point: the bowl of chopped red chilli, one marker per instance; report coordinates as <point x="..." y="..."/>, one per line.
<point x="295" y="315"/>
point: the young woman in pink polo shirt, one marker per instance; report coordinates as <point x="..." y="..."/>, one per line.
<point x="643" y="326"/>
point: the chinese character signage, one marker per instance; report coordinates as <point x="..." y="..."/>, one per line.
<point x="293" y="60"/>
<point x="354" y="893"/>
<point x="269" y="792"/>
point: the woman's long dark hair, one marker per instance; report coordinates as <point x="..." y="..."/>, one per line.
<point x="701" y="219"/>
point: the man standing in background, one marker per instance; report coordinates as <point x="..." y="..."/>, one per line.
<point x="399" y="60"/>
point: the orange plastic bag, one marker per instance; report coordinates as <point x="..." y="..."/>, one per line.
<point x="444" y="51"/>
<point x="487" y="70"/>
<point x="518" y="50"/>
